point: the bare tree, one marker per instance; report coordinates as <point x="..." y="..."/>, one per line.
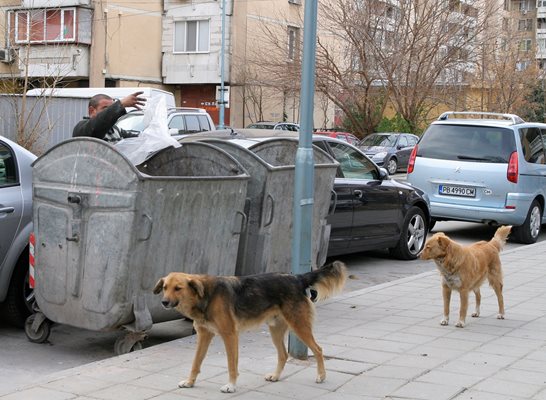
<point x="506" y="72"/>
<point x="434" y="50"/>
<point x="347" y="65"/>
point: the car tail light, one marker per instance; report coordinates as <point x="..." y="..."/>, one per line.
<point x="411" y="162"/>
<point x="512" y="172"/>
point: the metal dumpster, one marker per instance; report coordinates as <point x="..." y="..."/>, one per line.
<point x="265" y="246"/>
<point x="107" y="230"/>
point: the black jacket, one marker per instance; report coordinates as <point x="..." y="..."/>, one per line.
<point x="101" y="126"/>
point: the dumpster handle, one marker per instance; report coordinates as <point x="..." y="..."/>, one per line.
<point x="272" y="202"/>
<point x="334" y="203"/>
<point x="146" y="227"/>
<point x="243" y="222"/>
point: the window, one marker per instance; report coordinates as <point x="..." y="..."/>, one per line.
<point x="464" y="143"/>
<point x="8" y="174"/>
<point x="525" y="25"/>
<point x="192" y="124"/>
<point x="51" y="26"/>
<point x="531" y="143"/>
<point x="191" y="36"/>
<point x="293" y="43"/>
<point x="352" y="163"/>
<point x="525" y="45"/>
<point x="522" y="65"/>
<point x="177" y="122"/>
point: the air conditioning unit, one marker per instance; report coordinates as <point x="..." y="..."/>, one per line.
<point x="7" y="56"/>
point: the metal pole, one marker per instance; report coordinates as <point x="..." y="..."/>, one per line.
<point x="305" y="169"/>
<point x="221" y="101"/>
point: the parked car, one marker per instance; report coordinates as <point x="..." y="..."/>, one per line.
<point x="285" y="126"/>
<point x="389" y="150"/>
<point x="180" y="120"/>
<point x="346" y="136"/>
<point x="16" y="297"/>
<point x="371" y="211"/>
<point x="484" y="167"/>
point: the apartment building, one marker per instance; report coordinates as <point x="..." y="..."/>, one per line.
<point x="82" y="43"/>
<point x="171" y="44"/>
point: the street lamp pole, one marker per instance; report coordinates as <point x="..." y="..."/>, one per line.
<point x="305" y="168"/>
<point x="221" y="101"/>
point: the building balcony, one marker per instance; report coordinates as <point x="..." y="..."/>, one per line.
<point x="55" y="61"/>
<point x="54" y="3"/>
<point x="541" y="12"/>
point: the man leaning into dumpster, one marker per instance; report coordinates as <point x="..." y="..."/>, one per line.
<point x="104" y="113"/>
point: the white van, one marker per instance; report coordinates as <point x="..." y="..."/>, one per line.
<point x="114" y="92"/>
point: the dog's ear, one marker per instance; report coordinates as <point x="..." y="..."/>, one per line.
<point x="444" y="242"/>
<point x="158" y="286"/>
<point x="197" y="287"/>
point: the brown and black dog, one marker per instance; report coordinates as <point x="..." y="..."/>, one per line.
<point x="227" y="305"/>
<point x="465" y="268"/>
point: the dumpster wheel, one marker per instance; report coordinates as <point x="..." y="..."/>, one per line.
<point x="132" y="341"/>
<point x="37" y="328"/>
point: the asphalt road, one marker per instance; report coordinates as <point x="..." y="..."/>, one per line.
<point x="23" y="361"/>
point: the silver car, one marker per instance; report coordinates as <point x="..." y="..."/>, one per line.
<point x="15" y="227"/>
<point x="484" y="167"/>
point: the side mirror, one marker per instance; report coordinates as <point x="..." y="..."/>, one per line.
<point x="383" y="174"/>
<point x="173" y="131"/>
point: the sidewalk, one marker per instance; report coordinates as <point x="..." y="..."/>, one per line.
<point x="380" y="342"/>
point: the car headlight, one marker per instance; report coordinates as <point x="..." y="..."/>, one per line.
<point x="379" y="156"/>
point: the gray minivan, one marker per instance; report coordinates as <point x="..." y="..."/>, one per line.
<point x="484" y="167"/>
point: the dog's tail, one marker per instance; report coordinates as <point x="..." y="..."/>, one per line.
<point x="499" y="240"/>
<point x="326" y="281"/>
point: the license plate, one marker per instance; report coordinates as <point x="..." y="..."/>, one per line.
<point x="457" y="191"/>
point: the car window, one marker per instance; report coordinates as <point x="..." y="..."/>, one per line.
<point x="8" y="172"/>
<point x="131" y="122"/>
<point x="380" y="140"/>
<point x="353" y="164"/>
<point x="177" y="122"/>
<point x="412" y="140"/>
<point x="467" y="143"/>
<point x="531" y="143"/>
<point x="192" y="124"/>
<point x="353" y="139"/>
<point x="403" y="141"/>
<point x="204" y="122"/>
<point x="543" y="133"/>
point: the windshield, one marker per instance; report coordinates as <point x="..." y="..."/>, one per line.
<point x="380" y="140"/>
<point x="467" y="143"/>
<point x="131" y="122"/>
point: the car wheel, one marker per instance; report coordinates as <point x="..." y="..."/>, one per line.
<point x="412" y="236"/>
<point x="529" y="231"/>
<point x="392" y="166"/>
<point x="20" y="297"/>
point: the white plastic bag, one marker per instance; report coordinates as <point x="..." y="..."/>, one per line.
<point x="153" y="138"/>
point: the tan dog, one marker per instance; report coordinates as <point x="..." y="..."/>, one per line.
<point x="465" y="268"/>
<point x="226" y="306"/>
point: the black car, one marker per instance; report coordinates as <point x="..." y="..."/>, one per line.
<point x="372" y="211"/>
